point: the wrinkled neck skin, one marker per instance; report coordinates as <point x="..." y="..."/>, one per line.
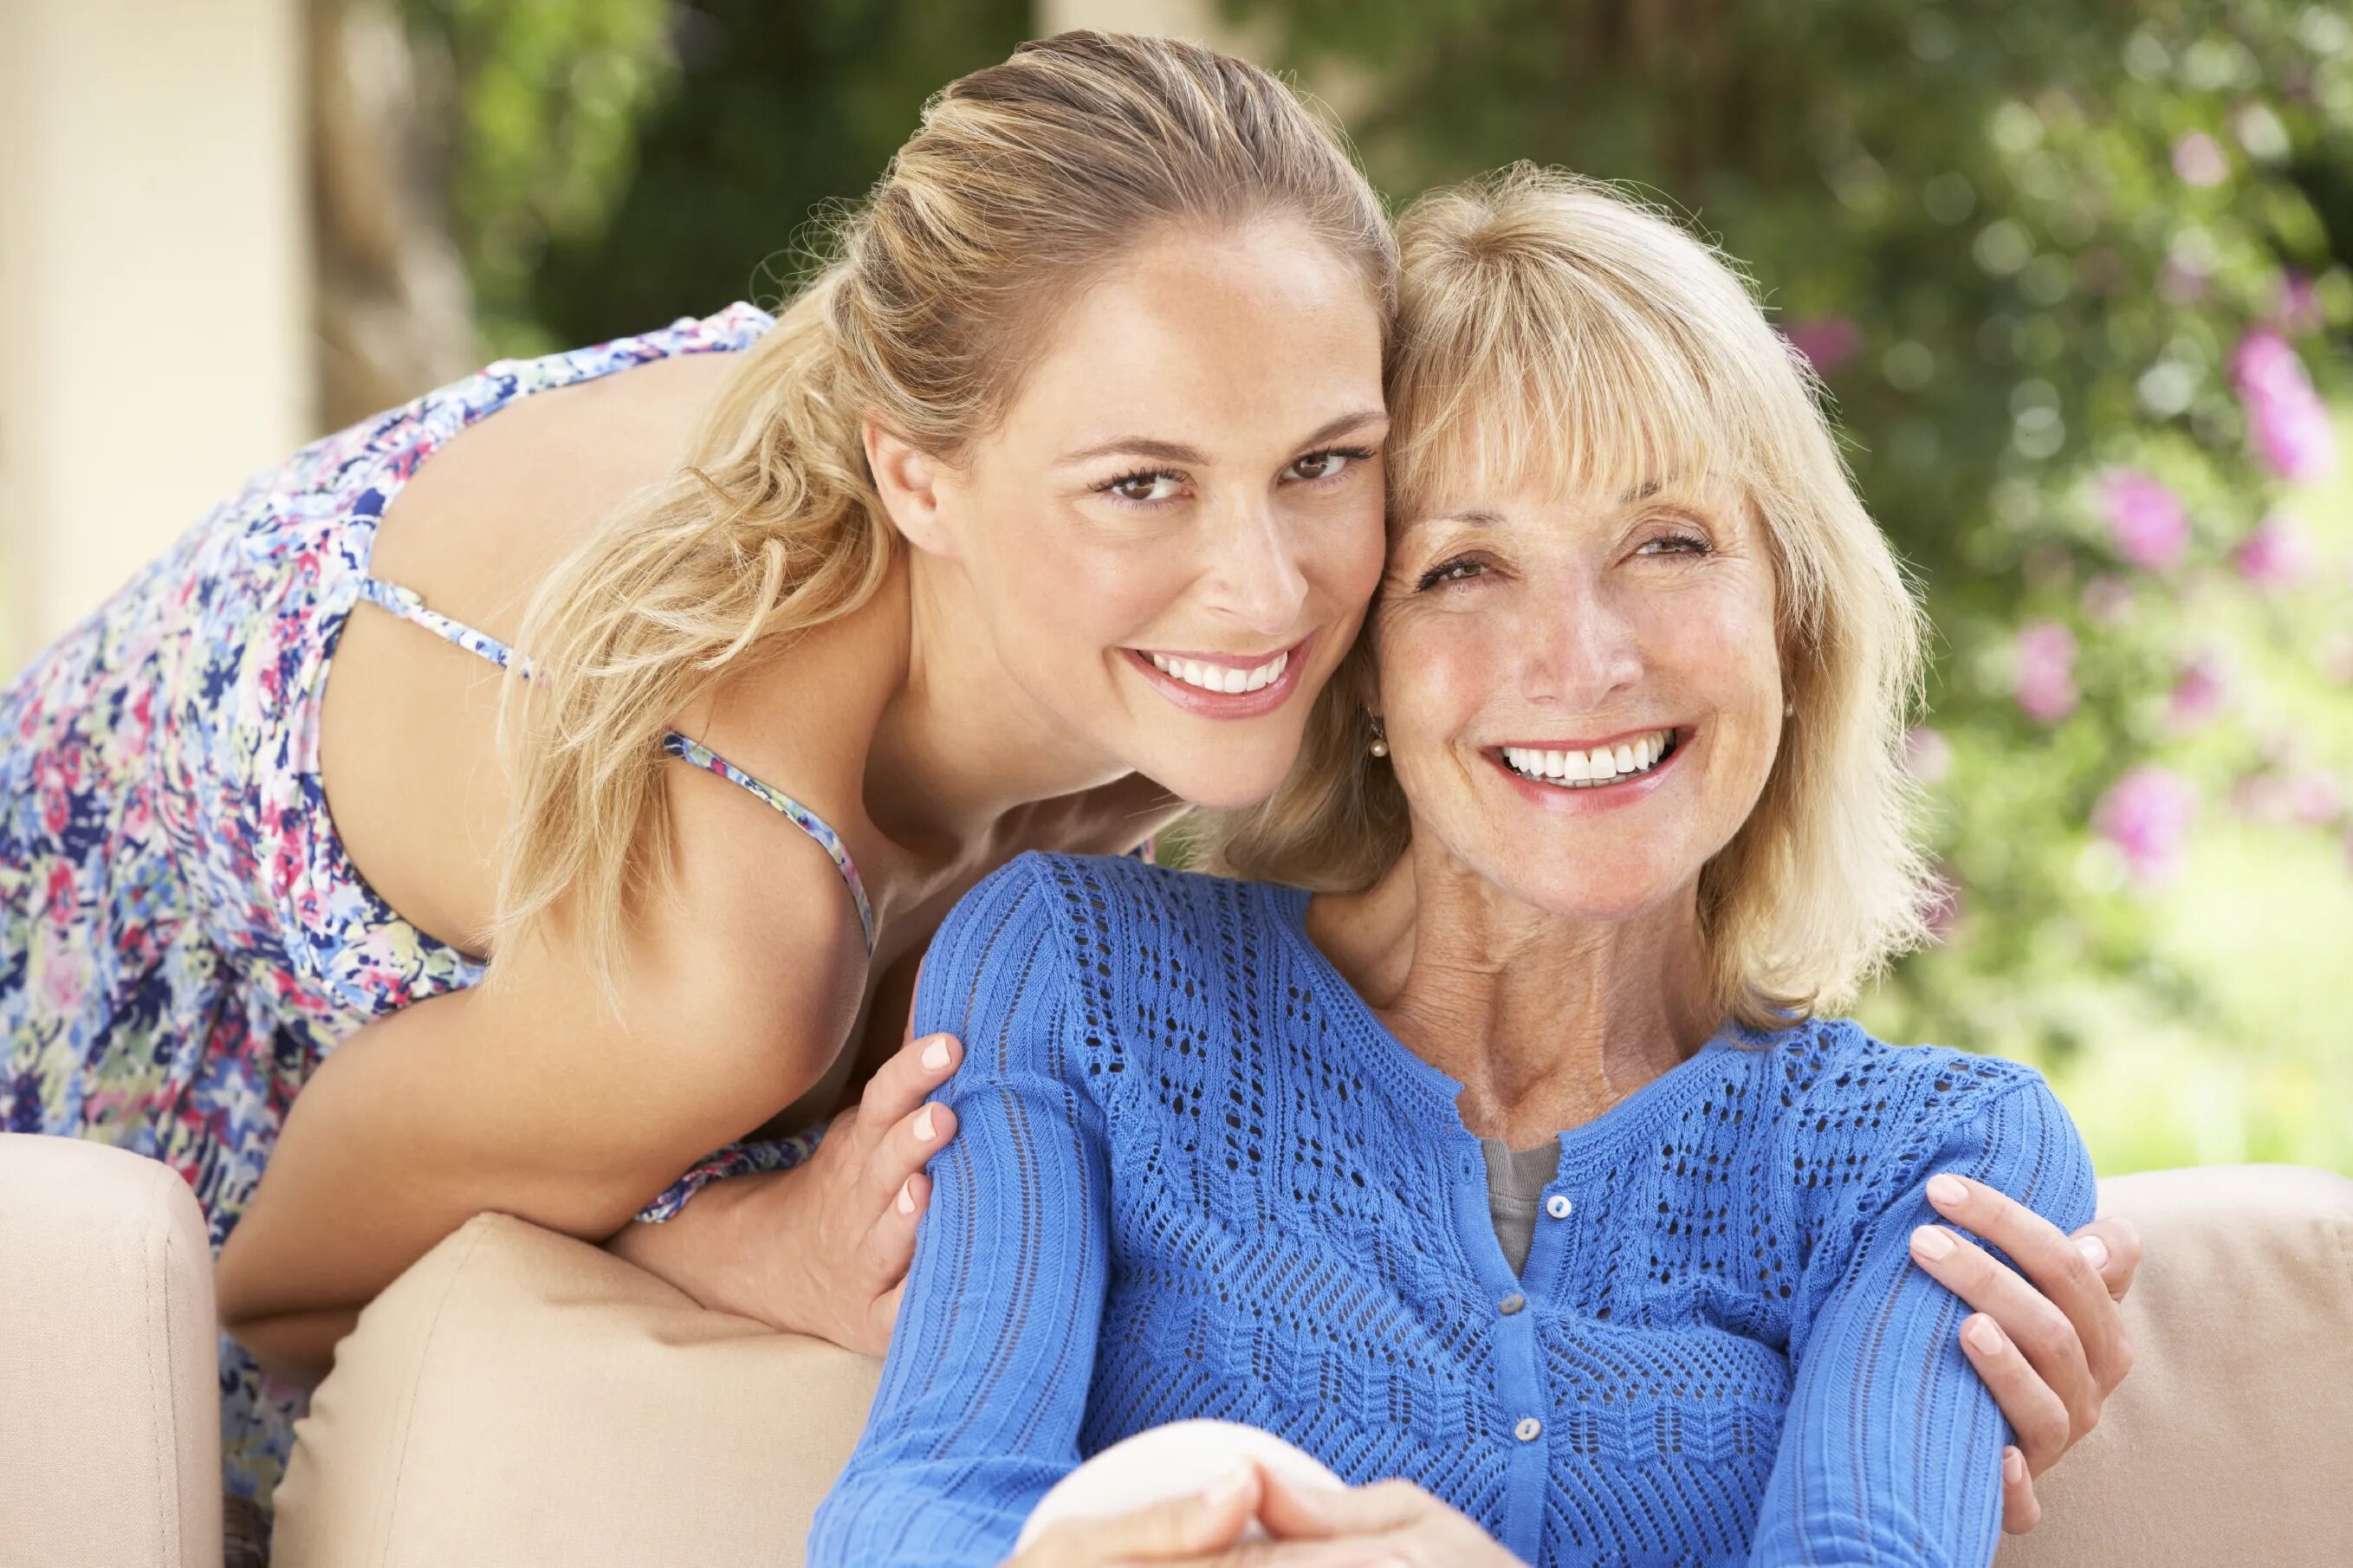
<point x="1547" y="1021"/>
<point x="959" y="746"/>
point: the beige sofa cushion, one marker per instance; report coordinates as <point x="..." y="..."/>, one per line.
<point x="2231" y="1442"/>
<point x="520" y="1398"/>
<point x="110" y="1357"/>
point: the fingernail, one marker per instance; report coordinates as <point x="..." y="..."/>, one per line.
<point x="2095" y="1250"/>
<point x="1947" y="1189"/>
<point x="935" y="1055"/>
<point x="924" y="1129"/>
<point x="2013" y="1466"/>
<point x="1933" y="1242"/>
<point x="1984" y="1335"/>
<point x="906" y="1198"/>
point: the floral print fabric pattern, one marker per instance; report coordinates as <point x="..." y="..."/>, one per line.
<point x="182" y="937"/>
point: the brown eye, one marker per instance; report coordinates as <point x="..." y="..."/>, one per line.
<point x="1459" y="571"/>
<point x="1143" y="488"/>
<point x="1325" y="465"/>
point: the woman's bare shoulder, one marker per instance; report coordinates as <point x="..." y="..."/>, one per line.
<point x="489" y="514"/>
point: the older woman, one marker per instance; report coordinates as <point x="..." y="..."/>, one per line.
<point x="1610" y="824"/>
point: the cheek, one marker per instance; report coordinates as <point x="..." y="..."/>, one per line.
<point x="1437" y="668"/>
<point x="1056" y="582"/>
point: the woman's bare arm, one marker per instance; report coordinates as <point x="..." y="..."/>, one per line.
<point x="530" y="1094"/>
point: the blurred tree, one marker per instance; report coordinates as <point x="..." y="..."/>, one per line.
<point x="394" y="312"/>
<point x="776" y="112"/>
<point x="544" y="119"/>
<point x="2061" y="267"/>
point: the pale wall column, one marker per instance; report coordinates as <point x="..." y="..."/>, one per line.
<point x="154" y="283"/>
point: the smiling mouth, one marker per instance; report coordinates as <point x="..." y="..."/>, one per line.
<point x="1220" y="676"/>
<point x="1591" y="767"/>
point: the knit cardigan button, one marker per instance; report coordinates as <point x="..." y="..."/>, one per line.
<point x="1558" y="1206"/>
<point x="1529" y="1430"/>
<point x="1511" y="1303"/>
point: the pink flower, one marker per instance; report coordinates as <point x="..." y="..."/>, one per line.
<point x="2045" y="684"/>
<point x="2313" y="798"/>
<point x="1928" y="755"/>
<point x="1828" y="341"/>
<point x="2146" y="520"/>
<point x="2146" y="814"/>
<point x="2285" y="418"/>
<point x="2199" y="692"/>
<point x="2199" y="160"/>
<point x="2260" y="796"/>
<point x="2277" y="553"/>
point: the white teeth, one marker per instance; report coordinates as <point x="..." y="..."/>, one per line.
<point x="1602" y="764"/>
<point x="1219" y="677"/>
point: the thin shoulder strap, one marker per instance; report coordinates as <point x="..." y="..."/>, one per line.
<point x="410" y="605"/>
<point x="701" y="756"/>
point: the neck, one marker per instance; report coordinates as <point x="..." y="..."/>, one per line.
<point x="959" y="746"/>
<point x="1545" y="1021"/>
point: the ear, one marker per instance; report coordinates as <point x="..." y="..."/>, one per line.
<point x="908" y="481"/>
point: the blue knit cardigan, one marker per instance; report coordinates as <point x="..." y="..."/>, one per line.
<point x="1193" y="1175"/>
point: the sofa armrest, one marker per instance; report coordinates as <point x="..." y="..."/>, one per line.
<point x="2232" y="1441"/>
<point x="109" y="1380"/>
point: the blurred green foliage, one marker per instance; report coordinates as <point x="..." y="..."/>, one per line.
<point x="551" y="96"/>
<point x="2022" y="243"/>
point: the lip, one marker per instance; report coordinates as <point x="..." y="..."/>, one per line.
<point x="1227" y="704"/>
<point x="1594" y="797"/>
<point x="1678" y="731"/>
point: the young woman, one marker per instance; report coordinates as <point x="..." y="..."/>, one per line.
<point x="824" y="619"/>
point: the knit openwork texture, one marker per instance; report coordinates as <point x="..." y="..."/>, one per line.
<point x="1193" y="1175"/>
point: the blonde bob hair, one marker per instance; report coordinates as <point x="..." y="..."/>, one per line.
<point x="1021" y="181"/>
<point x="1555" y="333"/>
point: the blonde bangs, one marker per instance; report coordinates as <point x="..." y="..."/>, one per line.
<point x="1596" y="401"/>
<point x="1577" y="361"/>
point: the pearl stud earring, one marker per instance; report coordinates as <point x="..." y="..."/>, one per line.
<point x="1380" y="747"/>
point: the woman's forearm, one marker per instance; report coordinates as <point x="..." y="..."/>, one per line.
<point x="709" y="1251"/>
<point x="446" y="1109"/>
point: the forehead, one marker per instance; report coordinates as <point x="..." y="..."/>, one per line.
<point x="1508" y="501"/>
<point x="1248" y="331"/>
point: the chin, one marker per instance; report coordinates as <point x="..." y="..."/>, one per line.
<point x="1582" y="890"/>
<point x="1223" y="785"/>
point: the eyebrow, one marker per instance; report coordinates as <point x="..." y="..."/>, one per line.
<point x="1175" y="452"/>
<point x="1482" y="517"/>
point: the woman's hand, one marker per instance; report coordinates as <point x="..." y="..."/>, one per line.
<point x="1194" y="1529"/>
<point x="2050" y="1345"/>
<point x="822" y="1248"/>
<point x="1389" y="1524"/>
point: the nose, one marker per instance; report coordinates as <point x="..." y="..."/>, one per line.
<point x="1581" y="651"/>
<point x="1253" y="575"/>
